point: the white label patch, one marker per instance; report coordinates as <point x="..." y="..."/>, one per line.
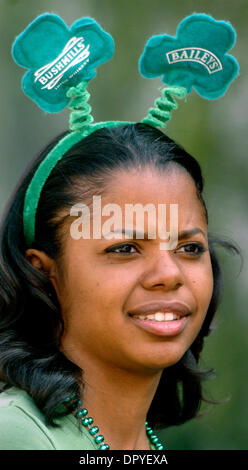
<point x="74" y="52"/>
<point x="195" y="54"/>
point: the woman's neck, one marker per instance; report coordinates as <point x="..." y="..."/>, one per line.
<point x="118" y="400"/>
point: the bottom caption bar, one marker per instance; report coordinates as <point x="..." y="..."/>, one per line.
<point x="114" y="458"/>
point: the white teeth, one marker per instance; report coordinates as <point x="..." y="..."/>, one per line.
<point x="159" y="316"/>
<point x="170" y="316"/>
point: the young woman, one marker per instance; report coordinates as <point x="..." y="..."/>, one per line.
<point x="83" y="363"/>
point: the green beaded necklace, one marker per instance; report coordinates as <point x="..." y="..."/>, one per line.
<point x="81" y="414"/>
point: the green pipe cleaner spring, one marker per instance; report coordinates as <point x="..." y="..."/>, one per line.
<point x="158" y="117"/>
<point x="80" y="117"/>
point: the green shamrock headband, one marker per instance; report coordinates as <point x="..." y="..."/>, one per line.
<point x="61" y="62"/>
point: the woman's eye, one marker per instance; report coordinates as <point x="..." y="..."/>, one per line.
<point x="124" y="249"/>
<point x="193" y="248"/>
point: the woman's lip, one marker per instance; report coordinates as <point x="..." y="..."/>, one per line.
<point x="162" y="328"/>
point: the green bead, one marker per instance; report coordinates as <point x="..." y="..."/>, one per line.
<point x="99" y="439"/>
<point x="154" y="439"/>
<point x="104" y="447"/>
<point x="67" y="400"/>
<point x="93" y="430"/>
<point x="79" y="403"/>
<point x="159" y="446"/>
<point x="150" y="432"/>
<point x="79" y="414"/>
<point x="148" y="428"/>
<point x="85" y="422"/>
<point x="90" y="420"/>
<point x="146" y="423"/>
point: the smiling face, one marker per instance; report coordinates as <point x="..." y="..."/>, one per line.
<point x="104" y="279"/>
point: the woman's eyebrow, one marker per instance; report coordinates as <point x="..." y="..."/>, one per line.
<point x="135" y="233"/>
<point x="188" y="233"/>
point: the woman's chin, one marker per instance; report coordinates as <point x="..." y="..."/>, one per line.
<point x="156" y="362"/>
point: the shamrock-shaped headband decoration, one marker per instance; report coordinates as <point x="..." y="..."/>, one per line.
<point x="61" y="61"/>
<point x="196" y="58"/>
<point x="58" y="57"/>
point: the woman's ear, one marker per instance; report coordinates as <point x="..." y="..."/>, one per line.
<point x="41" y="261"/>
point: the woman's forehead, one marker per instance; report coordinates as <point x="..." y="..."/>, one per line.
<point x="147" y="202"/>
<point x="151" y="186"/>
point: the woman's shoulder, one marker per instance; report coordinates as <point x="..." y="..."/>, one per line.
<point x="16" y="398"/>
<point x="22" y="423"/>
<point x="23" y="426"/>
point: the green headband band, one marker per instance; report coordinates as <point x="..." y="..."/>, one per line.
<point x="61" y="62"/>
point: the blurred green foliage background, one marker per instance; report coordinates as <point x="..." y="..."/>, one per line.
<point x="215" y="132"/>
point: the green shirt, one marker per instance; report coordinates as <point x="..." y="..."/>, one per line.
<point x="23" y="427"/>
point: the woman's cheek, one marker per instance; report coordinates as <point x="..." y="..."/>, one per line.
<point x="202" y="280"/>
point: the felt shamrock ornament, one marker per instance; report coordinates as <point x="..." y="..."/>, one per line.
<point x="196" y="58"/>
<point x="59" y="57"/>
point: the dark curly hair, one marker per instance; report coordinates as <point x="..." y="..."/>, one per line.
<point x="30" y="316"/>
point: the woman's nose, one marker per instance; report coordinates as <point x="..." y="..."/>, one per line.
<point x="163" y="272"/>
